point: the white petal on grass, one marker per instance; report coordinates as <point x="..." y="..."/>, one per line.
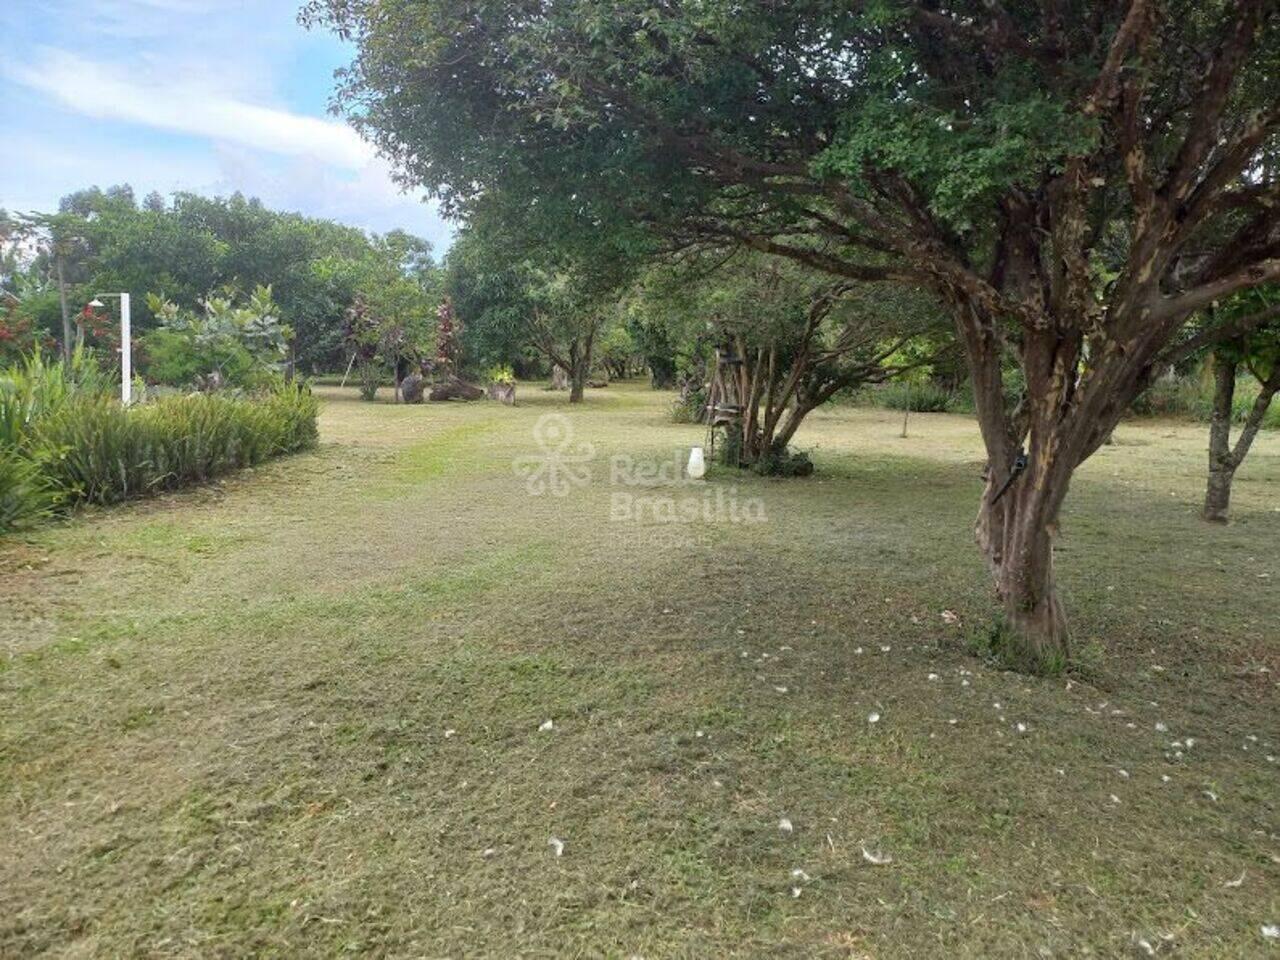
<point x="799" y="874"/>
<point x="785" y="825"/>
<point x="1270" y="931"/>
<point x="556" y="844"/>
<point x="873" y="717"/>
<point x="547" y="725"/>
<point x="795" y="892"/>
<point x="1238" y="881"/>
<point x="877" y="859"/>
<point x="1161" y="727"/>
<point x="449" y="733"/>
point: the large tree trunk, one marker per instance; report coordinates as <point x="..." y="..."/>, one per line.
<point x="1018" y="518"/>
<point x="580" y="367"/>
<point x="1016" y="535"/>
<point x="578" y="377"/>
<point x="1225" y="460"/>
<point x="455" y="389"/>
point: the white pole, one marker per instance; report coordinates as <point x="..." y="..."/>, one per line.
<point x="126" y="352"/>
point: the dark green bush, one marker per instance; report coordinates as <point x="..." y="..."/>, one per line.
<point x="785" y="463"/>
<point x="922" y="397"/>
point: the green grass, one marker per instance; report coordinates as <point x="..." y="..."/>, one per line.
<point x="289" y="713"/>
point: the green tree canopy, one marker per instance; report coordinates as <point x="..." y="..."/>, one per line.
<point x="1074" y="180"/>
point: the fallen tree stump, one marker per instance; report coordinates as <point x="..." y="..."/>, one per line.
<point x="412" y="387"/>
<point x="455" y="389"/>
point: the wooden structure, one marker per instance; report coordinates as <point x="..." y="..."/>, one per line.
<point x="725" y="395"/>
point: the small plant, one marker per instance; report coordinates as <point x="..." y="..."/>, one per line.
<point x="785" y="463"/>
<point x="999" y="644"/>
<point x="65" y="438"/>
<point x="688" y="407"/>
<point x="502" y="374"/>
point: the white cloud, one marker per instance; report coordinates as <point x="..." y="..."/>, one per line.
<point x="366" y="198"/>
<point x="187" y="106"/>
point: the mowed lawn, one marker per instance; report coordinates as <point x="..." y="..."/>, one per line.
<point x="301" y="713"/>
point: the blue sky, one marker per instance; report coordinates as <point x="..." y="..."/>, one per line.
<point x="211" y="96"/>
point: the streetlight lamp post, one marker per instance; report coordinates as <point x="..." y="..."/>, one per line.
<point x="126" y="347"/>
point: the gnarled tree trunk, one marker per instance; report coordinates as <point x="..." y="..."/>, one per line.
<point x="1017" y="522"/>
<point x="1026" y="485"/>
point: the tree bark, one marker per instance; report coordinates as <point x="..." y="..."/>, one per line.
<point x="454" y="389"/>
<point x="1217" y="497"/>
<point x="1016" y="534"/>
<point x="1225" y="460"/>
<point x="1018" y="517"/>
<point x="66" y="315"/>
<point x="580" y="361"/>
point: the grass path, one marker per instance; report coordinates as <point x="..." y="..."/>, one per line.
<point x="298" y="713"/>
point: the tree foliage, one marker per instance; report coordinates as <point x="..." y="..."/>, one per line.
<point x="193" y="246"/>
<point x="1074" y="181"/>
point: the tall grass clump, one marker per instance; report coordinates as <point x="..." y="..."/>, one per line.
<point x="96" y="451"/>
<point x="30" y="393"/>
<point x="65" y="439"/>
<point x="37" y="388"/>
<point x="25" y="493"/>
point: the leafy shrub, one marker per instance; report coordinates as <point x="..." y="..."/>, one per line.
<point x="688" y="407"/>
<point x="502" y="374"/>
<point x="25" y="496"/>
<point x="1191" y="398"/>
<point x="239" y="346"/>
<point x="173" y="359"/>
<point x="1179" y="398"/>
<point x="922" y="397"/>
<point x="785" y="463"/>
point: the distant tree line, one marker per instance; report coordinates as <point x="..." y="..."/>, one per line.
<point x="184" y="249"/>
